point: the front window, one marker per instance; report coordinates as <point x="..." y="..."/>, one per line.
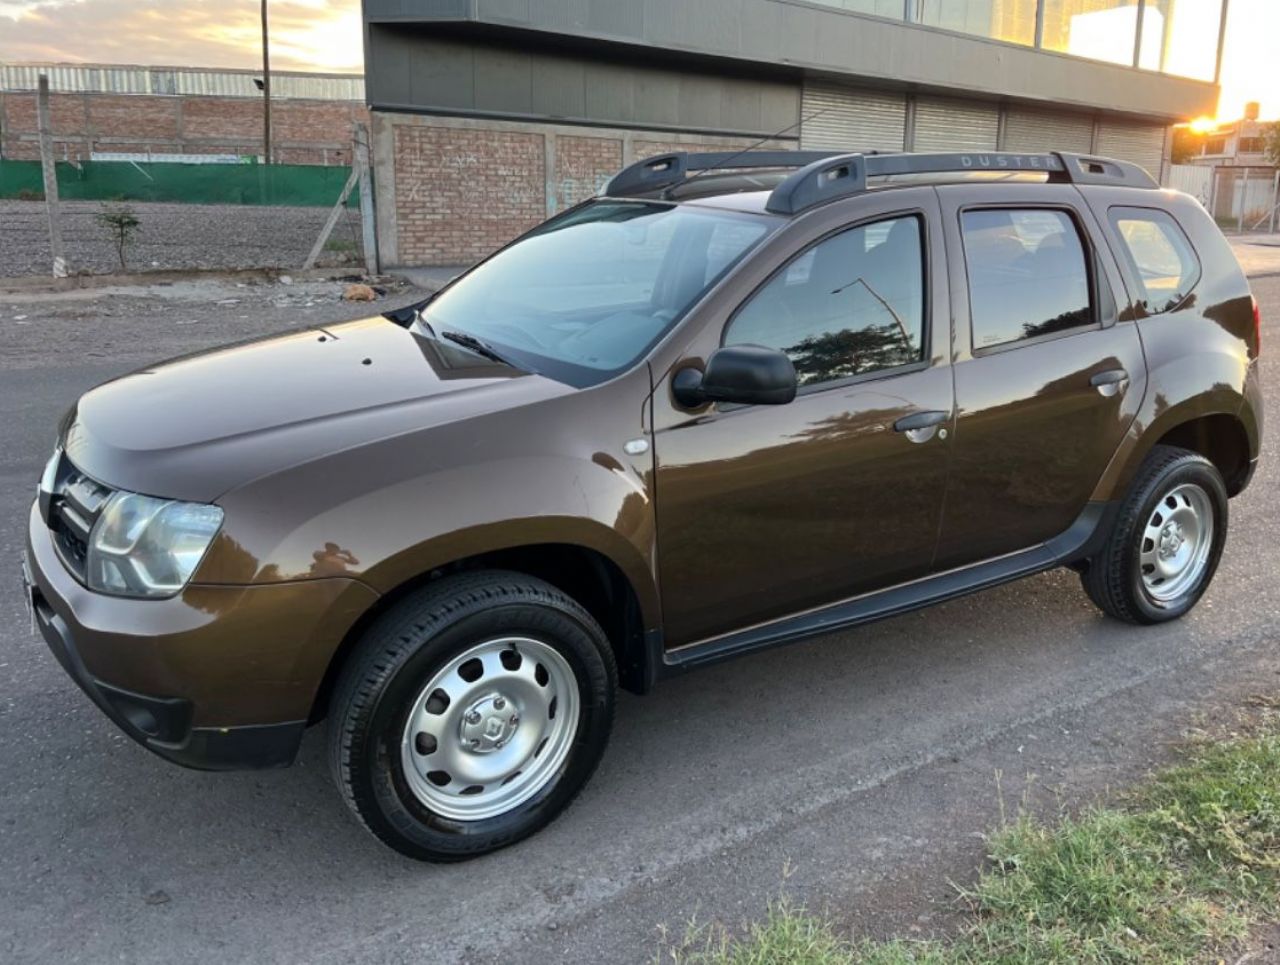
<point x="850" y="305"/>
<point x="585" y="295"/>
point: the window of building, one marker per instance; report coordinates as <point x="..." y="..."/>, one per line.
<point x="1013" y="21"/>
<point x="851" y="304"/>
<point x="1028" y="275"/>
<point x="1180" y="37"/>
<point x="1252" y="145"/>
<point x="1160" y="255"/>
<point x="1098" y="29"/>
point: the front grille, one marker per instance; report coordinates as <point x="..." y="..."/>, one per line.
<point x="74" y="506"/>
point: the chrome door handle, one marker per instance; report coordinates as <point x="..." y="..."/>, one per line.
<point x="1110" y="382"/>
<point x="921" y="426"/>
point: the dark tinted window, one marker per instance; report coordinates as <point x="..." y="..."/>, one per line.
<point x="1160" y="253"/>
<point x="1027" y="274"/>
<point x="851" y="304"/>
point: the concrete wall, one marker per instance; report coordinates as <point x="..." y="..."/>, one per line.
<point x="451" y="190"/>
<point x="303" y="132"/>
<point x="820" y="39"/>
<point x="416" y="69"/>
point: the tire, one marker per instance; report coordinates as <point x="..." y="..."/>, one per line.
<point x="464" y="681"/>
<point x="1158" y="559"/>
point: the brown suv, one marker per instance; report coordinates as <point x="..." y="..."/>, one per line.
<point x="731" y="402"/>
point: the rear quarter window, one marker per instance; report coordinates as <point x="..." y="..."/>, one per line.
<point x="1160" y="255"/>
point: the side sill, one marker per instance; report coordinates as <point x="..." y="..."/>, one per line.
<point x="1080" y="541"/>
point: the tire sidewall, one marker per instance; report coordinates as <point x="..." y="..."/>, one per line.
<point x="1201" y="473"/>
<point x="377" y="774"/>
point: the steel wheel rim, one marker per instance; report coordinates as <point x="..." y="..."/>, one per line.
<point x="490" y="729"/>
<point x="1173" y="552"/>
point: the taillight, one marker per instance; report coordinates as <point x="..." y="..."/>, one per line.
<point x="1257" y="327"/>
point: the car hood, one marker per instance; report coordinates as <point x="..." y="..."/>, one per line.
<point x="197" y="426"/>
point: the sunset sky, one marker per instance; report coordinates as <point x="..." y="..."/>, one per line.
<point x="325" y="35"/>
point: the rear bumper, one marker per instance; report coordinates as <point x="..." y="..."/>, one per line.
<point x="217" y="678"/>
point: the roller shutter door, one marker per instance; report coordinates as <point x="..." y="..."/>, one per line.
<point x="1031" y="132"/>
<point x="950" y="125"/>
<point x="1140" y="143"/>
<point x="852" y="119"/>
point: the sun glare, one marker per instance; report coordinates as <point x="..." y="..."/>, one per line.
<point x="1203" y="125"/>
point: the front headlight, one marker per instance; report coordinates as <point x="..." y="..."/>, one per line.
<point x="142" y="546"/>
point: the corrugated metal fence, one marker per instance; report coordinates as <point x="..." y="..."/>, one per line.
<point x="119" y="79"/>
<point x="1242" y="198"/>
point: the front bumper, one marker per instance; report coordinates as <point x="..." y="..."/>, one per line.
<point x="217" y="678"/>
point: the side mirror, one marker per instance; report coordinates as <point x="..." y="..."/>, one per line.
<point x="743" y="374"/>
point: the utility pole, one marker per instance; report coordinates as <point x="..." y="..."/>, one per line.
<point x="266" y="87"/>
<point x="50" y="171"/>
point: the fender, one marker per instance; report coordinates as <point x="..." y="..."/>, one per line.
<point x="386" y="522"/>
<point x="1208" y="382"/>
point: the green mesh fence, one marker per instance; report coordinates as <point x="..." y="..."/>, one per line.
<point x="277" y="184"/>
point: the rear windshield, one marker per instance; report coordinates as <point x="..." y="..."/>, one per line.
<point x="585" y="295"/>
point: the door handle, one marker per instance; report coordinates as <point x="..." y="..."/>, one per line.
<point x="921" y="426"/>
<point x="1110" y="382"/>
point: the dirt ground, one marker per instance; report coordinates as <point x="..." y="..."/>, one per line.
<point x="174" y="236"/>
<point x="158" y="321"/>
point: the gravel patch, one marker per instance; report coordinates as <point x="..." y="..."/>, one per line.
<point x="142" y="324"/>
<point x="174" y="236"/>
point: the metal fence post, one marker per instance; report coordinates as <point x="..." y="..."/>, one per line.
<point x="49" y="169"/>
<point x="1275" y="201"/>
<point x="369" y="234"/>
<point x="1244" y="201"/>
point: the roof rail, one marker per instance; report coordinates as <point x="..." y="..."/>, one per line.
<point x="847" y="174"/>
<point x="667" y="170"/>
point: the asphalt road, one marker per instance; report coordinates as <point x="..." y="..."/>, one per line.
<point x="855" y="772"/>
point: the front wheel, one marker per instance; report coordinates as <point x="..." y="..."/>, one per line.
<point x="1164" y="546"/>
<point x="471" y="715"/>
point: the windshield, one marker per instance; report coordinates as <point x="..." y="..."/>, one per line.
<point x="585" y="295"/>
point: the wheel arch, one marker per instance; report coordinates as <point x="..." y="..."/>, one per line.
<point x="1216" y="432"/>
<point x="589" y="575"/>
<point x="1221" y="438"/>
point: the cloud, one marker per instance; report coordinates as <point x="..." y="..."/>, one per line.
<point x="305" y="34"/>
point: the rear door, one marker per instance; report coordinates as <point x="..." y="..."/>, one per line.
<point x="1048" y="378"/>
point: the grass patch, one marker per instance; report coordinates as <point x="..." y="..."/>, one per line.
<point x="1182" y="870"/>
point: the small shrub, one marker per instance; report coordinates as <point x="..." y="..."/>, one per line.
<point x="30" y="194"/>
<point x="122" y="224"/>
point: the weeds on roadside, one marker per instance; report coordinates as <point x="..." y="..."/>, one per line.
<point x="122" y="224"/>
<point x="1182" y="871"/>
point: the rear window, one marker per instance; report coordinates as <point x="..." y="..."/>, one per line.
<point x="1028" y="275"/>
<point x="1160" y="255"/>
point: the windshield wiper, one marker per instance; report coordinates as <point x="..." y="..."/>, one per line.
<point x="478" y="345"/>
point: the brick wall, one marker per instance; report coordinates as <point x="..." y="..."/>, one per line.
<point x="451" y="190"/>
<point x="303" y="132"/>
<point x="462" y="193"/>
<point x="583" y="165"/>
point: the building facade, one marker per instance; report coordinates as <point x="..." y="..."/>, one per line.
<point x="488" y="115"/>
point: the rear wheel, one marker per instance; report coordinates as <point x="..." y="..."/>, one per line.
<point x="471" y="715"/>
<point x="1164" y="546"/>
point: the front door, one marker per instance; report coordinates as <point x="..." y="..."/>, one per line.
<point x="767" y="510"/>
<point x="1048" y="381"/>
